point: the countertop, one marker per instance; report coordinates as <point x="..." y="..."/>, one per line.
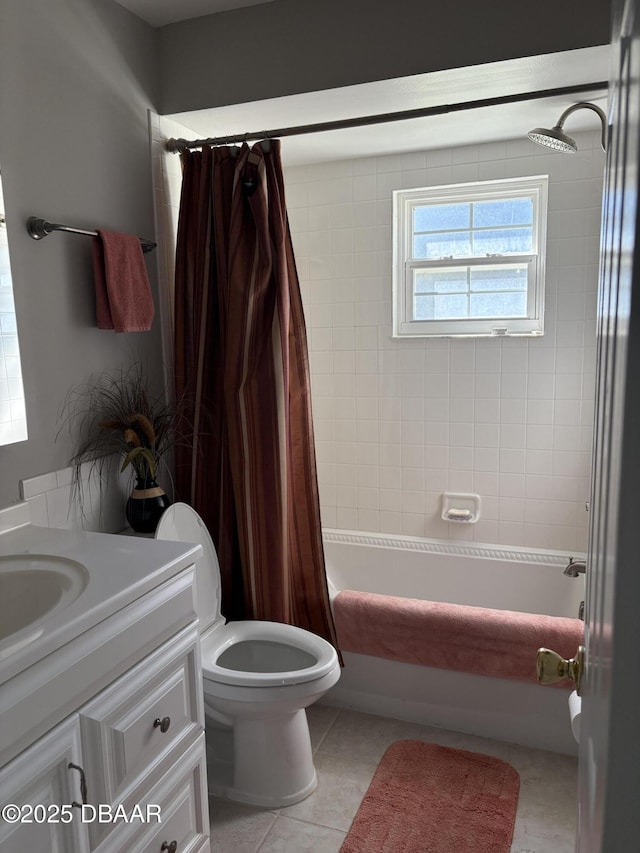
<point x="120" y="570"/>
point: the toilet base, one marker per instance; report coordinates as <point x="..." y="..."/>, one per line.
<point x="262" y="762"/>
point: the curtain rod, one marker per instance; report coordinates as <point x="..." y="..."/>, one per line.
<point x="177" y="146"/>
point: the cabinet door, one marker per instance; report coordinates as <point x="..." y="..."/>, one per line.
<point x="39" y="780"/>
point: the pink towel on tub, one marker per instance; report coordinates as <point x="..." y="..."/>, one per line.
<point x="123" y="294"/>
<point x="500" y="643"/>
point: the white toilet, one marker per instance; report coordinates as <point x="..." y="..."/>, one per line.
<point x="258" y="679"/>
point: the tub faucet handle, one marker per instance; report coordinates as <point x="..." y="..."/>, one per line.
<point x="575" y="568"/>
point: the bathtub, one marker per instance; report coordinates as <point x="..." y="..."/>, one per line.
<point x="497" y="577"/>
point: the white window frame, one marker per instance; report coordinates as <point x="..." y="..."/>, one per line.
<point x="404" y="264"/>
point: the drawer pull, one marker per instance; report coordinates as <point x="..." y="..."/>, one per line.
<point x="163" y="724"/>
<point x="171" y="848"/>
<point x="83" y="785"/>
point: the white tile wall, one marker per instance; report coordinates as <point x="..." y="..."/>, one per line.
<point x="399" y="422"/>
<point x="15" y="515"/>
<point x="51" y="500"/>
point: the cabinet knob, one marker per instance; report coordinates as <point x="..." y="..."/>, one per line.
<point x="163" y="724"/>
<point x="171" y="847"/>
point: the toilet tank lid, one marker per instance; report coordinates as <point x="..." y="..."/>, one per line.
<point x="181" y="523"/>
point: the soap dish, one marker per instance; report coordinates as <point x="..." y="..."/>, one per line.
<point x="460" y="507"/>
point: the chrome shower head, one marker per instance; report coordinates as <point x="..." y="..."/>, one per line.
<point x="557" y="139"/>
<point x="553" y="138"/>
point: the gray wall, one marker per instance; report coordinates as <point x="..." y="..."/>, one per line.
<point x="76" y="80"/>
<point x="292" y="46"/>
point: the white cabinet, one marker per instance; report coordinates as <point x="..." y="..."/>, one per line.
<point x="136" y="749"/>
<point x="39" y="781"/>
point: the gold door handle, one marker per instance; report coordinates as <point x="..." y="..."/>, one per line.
<point x="551" y="667"/>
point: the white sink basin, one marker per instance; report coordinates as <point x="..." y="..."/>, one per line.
<point x="32" y="588"/>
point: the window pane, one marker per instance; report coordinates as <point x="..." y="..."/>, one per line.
<point x="514" y="211"/>
<point x="441" y="281"/>
<point x="423" y="308"/>
<point x="440" y="217"/>
<point x="502" y="241"/>
<point x="498" y="305"/>
<point x="465" y="292"/>
<point x="468" y="258"/>
<point x="512" y="277"/>
<point x="448" y="307"/>
<point x="443" y="245"/>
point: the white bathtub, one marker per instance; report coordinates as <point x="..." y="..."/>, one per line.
<point x="526" y="580"/>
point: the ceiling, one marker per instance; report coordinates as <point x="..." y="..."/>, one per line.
<point x="452" y="86"/>
<point x="161" y="12"/>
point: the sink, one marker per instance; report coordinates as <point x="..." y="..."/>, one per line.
<point x="32" y="588"/>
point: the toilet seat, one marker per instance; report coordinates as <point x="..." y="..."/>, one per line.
<point x="309" y="658"/>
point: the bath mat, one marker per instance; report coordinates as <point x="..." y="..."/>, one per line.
<point x="426" y="798"/>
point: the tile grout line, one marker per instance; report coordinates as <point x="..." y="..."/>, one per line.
<point x="266" y="835"/>
<point x="329" y="727"/>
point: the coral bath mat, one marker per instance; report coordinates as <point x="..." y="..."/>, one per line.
<point x="426" y="798"/>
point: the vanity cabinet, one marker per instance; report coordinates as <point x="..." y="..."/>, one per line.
<point x="135" y="746"/>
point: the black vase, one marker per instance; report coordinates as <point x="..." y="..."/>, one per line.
<point x="146" y="504"/>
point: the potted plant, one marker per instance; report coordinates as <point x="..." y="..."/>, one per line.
<point x="118" y="414"/>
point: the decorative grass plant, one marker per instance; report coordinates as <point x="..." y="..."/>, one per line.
<point x="116" y="413"/>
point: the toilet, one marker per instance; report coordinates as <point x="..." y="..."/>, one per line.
<point x="258" y="678"/>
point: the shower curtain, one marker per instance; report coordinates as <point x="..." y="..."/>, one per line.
<point x="241" y="361"/>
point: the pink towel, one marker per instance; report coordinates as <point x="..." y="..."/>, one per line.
<point x="123" y="294"/>
<point x="502" y="643"/>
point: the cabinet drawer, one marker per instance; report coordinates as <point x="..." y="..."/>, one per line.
<point x="180" y="819"/>
<point x="131" y="730"/>
<point x="181" y="796"/>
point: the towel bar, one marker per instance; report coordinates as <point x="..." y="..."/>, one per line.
<point x="39" y="228"/>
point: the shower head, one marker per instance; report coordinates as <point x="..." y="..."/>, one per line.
<point x="553" y="137"/>
<point x="557" y="139"/>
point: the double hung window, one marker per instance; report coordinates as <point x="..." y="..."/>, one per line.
<point x="469" y="259"/>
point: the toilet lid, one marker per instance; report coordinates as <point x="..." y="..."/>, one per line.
<point x="181" y="523"/>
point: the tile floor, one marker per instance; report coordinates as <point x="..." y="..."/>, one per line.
<point x="348" y="746"/>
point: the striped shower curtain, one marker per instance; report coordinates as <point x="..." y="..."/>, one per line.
<point x="241" y="360"/>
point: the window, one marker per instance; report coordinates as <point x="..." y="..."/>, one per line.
<point x="469" y="259"/>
